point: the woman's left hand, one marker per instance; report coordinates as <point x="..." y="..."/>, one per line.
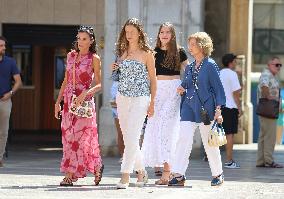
<point x="150" y="111"/>
<point x="218" y="116"/>
<point x="79" y="100"/>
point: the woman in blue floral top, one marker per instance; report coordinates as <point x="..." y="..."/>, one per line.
<point x="135" y="97"/>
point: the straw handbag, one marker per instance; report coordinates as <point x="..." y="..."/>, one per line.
<point x="217" y="135"/>
<point x="86" y="108"/>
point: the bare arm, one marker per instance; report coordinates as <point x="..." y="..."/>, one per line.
<point x="18" y="82"/>
<point x="57" y="107"/>
<point x="97" y="79"/>
<point x="152" y="75"/>
<point x="62" y="88"/>
<point x="236" y="95"/>
<point x="150" y="63"/>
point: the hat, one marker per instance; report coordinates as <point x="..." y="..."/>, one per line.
<point x="228" y="58"/>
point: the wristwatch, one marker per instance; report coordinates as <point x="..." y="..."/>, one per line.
<point x="11" y="92"/>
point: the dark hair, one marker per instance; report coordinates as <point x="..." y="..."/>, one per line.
<point x="172" y="58"/>
<point x="228" y="58"/>
<point x="90" y="31"/>
<point x="3" y="39"/>
<point x="122" y="43"/>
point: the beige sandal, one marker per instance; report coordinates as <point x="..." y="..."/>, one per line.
<point x="162" y="180"/>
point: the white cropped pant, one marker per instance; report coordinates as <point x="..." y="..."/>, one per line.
<point x="131" y="114"/>
<point x="184" y="146"/>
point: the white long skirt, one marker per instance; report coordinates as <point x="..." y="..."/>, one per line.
<point x="162" y="129"/>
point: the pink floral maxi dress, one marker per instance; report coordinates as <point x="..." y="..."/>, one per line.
<point x="81" y="151"/>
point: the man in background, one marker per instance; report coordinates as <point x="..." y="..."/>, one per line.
<point x="232" y="110"/>
<point x="268" y="87"/>
<point x="8" y="72"/>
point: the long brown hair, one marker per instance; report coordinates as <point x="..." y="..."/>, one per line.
<point x="122" y="43"/>
<point x="172" y="59"/>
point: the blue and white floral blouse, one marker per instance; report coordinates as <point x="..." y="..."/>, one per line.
<point x="133" y="79"/>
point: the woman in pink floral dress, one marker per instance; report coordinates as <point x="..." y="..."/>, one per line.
<point x="81" y="151"/>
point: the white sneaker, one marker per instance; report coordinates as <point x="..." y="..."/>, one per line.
<point x="232" y="165"/>
<point x="121" y="185"/>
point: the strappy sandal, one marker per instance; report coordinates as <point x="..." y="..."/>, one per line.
<point x="163" y="181"/>
<point x="66" y="182"/>
<point x="99" y="175"/>
<point x="145" y="178"/>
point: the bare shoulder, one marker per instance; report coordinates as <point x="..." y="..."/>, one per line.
<point x="149" y="56"/>
<point x="96" y="57"/>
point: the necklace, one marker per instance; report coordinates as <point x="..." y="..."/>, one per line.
<point x="194" y="74"/>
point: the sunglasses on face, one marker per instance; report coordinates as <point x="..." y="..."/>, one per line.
<point x="277" y="65"/>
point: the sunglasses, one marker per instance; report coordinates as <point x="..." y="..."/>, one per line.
<point x="277" y="65"/>
<point x="86" y="28"/>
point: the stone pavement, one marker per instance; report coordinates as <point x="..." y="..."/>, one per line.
<point x="33" y="173"/>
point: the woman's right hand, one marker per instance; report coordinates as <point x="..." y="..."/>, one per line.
<point x="57" y="110"/>
<point x="114" y="66"/>
<point x="180" y="90"/>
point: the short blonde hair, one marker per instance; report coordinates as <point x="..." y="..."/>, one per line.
<point x="204" y="41"/>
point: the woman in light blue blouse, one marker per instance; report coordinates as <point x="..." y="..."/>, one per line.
<point x="201" y="86"/>
<point x="135" y="97"/>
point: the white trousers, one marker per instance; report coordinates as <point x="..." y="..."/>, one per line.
<point x="5" y="110"/>
<point x="131" y="114"/>
<point x="184" y="146"/>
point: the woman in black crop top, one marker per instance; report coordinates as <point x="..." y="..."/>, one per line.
<point x="162" y="129"/>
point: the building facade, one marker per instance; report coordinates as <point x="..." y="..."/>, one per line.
<point x="41" y="32"/>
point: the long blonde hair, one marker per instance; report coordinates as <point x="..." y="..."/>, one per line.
<point x="122" y="43"/>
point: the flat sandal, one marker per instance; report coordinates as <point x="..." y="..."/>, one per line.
<point x="66" y="182"/>
<point x="99" y="175"/>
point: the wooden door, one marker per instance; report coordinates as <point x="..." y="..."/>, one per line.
<point x="48" y="120"/>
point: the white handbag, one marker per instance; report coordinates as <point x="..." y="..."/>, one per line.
<point x="217" y="135"/>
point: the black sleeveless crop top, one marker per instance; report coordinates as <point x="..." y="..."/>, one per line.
<point x="159" y="58"/>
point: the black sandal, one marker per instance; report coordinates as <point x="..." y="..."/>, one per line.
<point x="99" y="175"/>
<point x="66" y="182"/>
<point x="274" y="165"/>
<point x="177" y="181"/>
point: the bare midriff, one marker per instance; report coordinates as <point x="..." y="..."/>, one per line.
<point x="167" y="77"/>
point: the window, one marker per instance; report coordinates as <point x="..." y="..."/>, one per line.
<point x="60" y="64"/>
<point x="22" y="55"/>
<point x="268" y="33"/>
